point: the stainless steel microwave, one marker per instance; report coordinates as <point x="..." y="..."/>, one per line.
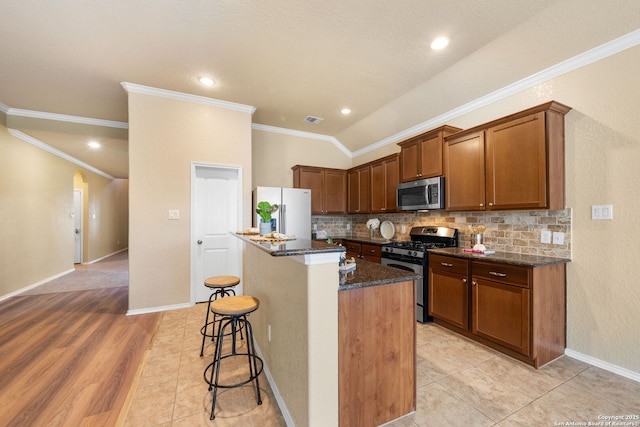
<point x="421" y="195"/>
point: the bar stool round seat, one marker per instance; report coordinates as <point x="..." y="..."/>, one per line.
<point x="233" y="312"/>
<point x="221" y="286"/>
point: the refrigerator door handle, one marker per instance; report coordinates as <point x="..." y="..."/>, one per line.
<point x="283" y="215"/>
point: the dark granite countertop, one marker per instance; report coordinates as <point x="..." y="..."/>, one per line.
<point x="371" y="274"/>
<point x="375" y="241"/>
<point x="502" y="257"/>
<point x="293" y="247"/>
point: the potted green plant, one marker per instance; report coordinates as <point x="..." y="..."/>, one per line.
<point x="265" y="209"/>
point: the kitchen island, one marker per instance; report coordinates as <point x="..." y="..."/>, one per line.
<point x="338" y="348"/>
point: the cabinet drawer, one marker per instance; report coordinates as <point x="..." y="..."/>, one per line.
<point x="352" y="246"/>
<point x="371" y="250"/>
<point x="504" y="273"/>
<point x="451" y="264"/>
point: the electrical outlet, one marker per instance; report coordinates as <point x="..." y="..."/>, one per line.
<point x="558" y="238"/>
<point x="602" y="212"/>
<point x="403" y="228"/>
<point x="348" y="226"/>
<point x="545" y="236"/>
<point x="173" y="214"/>
<point x="269" y="332"/>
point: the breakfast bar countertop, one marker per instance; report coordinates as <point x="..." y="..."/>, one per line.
<point x="292" y="247"/>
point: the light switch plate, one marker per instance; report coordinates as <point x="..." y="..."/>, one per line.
<point x="545" y="236"/>
<point x="602" y="212"/>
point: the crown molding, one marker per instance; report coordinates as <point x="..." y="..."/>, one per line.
<point x="603" y="51"/>
<point x="303" y="134"/>
<point x="66" y="118"/>
<point x="33" y="141"/>
<point x="164" y="93"/>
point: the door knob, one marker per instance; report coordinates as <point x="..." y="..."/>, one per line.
<point x="199" y="242"/>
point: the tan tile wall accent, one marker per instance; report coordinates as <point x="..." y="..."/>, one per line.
<point x="507" y="231"/>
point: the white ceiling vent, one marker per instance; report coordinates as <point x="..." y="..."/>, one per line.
<point x="312" y="119"/>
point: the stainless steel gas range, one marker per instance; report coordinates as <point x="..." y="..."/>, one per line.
<point x="413" y="256"/>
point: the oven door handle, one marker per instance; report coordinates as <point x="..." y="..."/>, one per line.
<point x="403" y="267"/>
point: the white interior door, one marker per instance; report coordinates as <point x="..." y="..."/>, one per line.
<point x="216" y="212"/>
<point x="77" y="226"/>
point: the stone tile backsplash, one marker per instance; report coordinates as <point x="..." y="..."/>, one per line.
<point x="507" y="231"/>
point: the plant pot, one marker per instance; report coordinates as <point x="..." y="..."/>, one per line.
<point x="265" y="228"/>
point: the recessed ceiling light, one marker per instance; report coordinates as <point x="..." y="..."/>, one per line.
<point x="345" y="111"/>
<point x="93" y="144"/>
<point x="439" y="43"/>
<point x="206" y="81"/>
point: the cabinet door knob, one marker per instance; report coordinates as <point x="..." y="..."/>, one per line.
<point x="481" y="204"/>
<point x="464" y="280"/>
<point x="490" y="204"/>
<point x="473" y="283"/>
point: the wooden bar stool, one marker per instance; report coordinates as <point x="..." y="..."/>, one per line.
<point x="233" y="311"/>
<point x="221" y="286"/>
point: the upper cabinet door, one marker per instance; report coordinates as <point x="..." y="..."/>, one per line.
<point x="517" y="164"/>
<point x="431" y="156"/>
<point x="335" y="191"/>
<point x="464" y="172"/>
<point x="385" y="176"/>
<point x="421" y="156"/>
<point x="358" y="189"/>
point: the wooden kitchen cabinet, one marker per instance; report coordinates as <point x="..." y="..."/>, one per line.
<point x="518" y="310"/>
<point x="385" y="177"/>
<point x="371" y="253"/>
<point x="464" y="174"/>
<point x="516" y="162"/>
<point x="358" y="186"/>
<point x="328" y="188"/>
<point x="501" y="305"/>
<point x="353" y="249"/>
<point x="449" y="290"/>
<point x="366" y="251"/>
<point x="421" y="156"/>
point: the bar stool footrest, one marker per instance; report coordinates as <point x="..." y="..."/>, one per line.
<point x="251" y="378"/>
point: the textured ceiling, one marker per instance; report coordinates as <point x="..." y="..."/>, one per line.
<point x="287" y="58"/>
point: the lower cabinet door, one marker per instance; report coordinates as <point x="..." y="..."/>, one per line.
<point x="501" y="314"/>
<point x="449" y="297"/>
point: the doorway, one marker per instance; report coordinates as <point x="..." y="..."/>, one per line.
<point x="216" y="212"/>
<point x="77" y="226"/>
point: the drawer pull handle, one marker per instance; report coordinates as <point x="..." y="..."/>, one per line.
<point x="495" y="273"/>
<point x="446" y="264"/>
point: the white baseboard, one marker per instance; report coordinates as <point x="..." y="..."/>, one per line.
<point x="159" y="308"/>
<point x="104" y="257"/>
<point x="274" y="388"/>
<point x="34" y="285"/>
<point x="635" y="376"/>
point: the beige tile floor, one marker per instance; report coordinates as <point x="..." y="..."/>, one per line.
<point x="460" y="383"/>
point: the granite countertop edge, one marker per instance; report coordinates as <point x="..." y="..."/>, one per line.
<point x="511" y="258"/>
<point x="373" y="274"/>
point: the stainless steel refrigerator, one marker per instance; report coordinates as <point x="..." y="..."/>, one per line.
<point x="293" y="216"/>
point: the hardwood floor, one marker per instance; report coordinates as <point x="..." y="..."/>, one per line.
<point x="69" y="358"/>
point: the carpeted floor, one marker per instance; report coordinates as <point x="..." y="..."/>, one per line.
<point x="111" y="272"/>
